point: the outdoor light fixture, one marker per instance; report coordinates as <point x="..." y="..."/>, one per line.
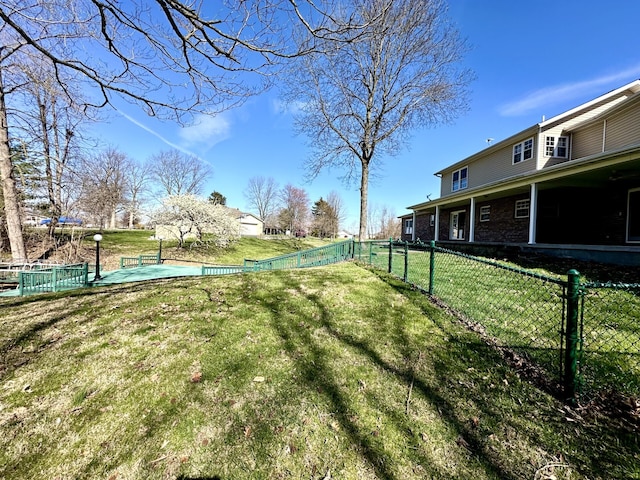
<point x="97" y="238"/>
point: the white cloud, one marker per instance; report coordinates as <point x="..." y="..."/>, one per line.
<point x="546" y="97"/>
<point x="151" y="131"/>
<point x="283" y="108"/>
<point x="207" y="130"/>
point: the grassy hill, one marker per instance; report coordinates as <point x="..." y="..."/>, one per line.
<point x="334" y="372"/>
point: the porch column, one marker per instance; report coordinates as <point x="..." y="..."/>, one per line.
<point x="436" y="235"/>
<point x="533" y="213"/>
<point x="472" y="220"/>
<point x="413" y="229"/>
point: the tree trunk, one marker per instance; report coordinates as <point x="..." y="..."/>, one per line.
<point x="9" y="189"/>
<point x="364" y="192"/>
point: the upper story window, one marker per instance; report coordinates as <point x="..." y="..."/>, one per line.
<point x="459" y="179"/>
<point x="523" y="151"/>
<point x="556" y="147"/>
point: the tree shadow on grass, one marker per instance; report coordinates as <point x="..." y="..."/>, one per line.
<point x="318" y="375"/>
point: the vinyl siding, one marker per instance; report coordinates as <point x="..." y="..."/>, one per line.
<point x="587" y="141"/>
<point x="623" y="129"/>
<point x="498" y="164"/>
<point x="492" y="168"/>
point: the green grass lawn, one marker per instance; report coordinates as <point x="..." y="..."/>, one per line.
<point x="333" y="372"/>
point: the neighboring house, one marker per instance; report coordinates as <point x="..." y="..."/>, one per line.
<point x="570" y="183"/>
<point x="250" y="225"/>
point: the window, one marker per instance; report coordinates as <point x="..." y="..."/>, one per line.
<point x="556" y="147"/>
<point x="408" y="226"/>
<point x="459" y="181"/>
<point x="485" y="213"/>
<point x="522" y="208"/>
<point x="523" y="151"/>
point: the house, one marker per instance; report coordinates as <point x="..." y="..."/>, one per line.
<point x="569" y="185"/>
<point x="250" y="225"/>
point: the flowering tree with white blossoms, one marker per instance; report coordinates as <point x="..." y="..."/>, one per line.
<point x="184" y="216"/>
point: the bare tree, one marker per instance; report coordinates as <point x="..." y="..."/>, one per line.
<point x="262" y="196"/>
<point x="148" y="51"/>
<point x="337" y="206"/>
<point x="170" y="57"/>
<point x="178" y="173"/>
<point x="52" y="129"/>
<point x="104" y="182"/>
<point x="295" y="209"/>
<point x="383" y="223"/>
<point x="137" y="184"/>
<point x="361" y="99"/>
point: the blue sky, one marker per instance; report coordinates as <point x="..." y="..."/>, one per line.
<point x="530" y="59"/>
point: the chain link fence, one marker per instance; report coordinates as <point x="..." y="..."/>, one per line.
<point x="585" y="337"/>
<point x="610" y="337"/>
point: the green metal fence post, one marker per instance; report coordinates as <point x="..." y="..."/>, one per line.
<point x="390" y="255"/>
<point x="85" y="274"/>
<point x="20" y="284"/>
<point x="406" y="262"/>
<point x="571" y="351"/>
<point x="54" y="279"/>
<point x="432" y="265"/>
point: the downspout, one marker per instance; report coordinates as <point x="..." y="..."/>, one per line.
<point x="436" y="236"/>
<point x="604" y="134"/>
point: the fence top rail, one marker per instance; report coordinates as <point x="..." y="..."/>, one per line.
<point x="611" y="285"/>
<point x="306" y="252"/>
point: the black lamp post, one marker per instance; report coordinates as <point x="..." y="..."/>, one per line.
<point x="97" y="238"/>
<point x="160" y="250"/>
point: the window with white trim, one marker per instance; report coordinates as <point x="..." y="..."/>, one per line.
<point x="485" y="213"/>
<point x="459" y="179"/>
<point x="556" y="147"/>
<point x="522" y="208"/>
<point x="408" y="226"/>
<point x="523" y="151"/>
